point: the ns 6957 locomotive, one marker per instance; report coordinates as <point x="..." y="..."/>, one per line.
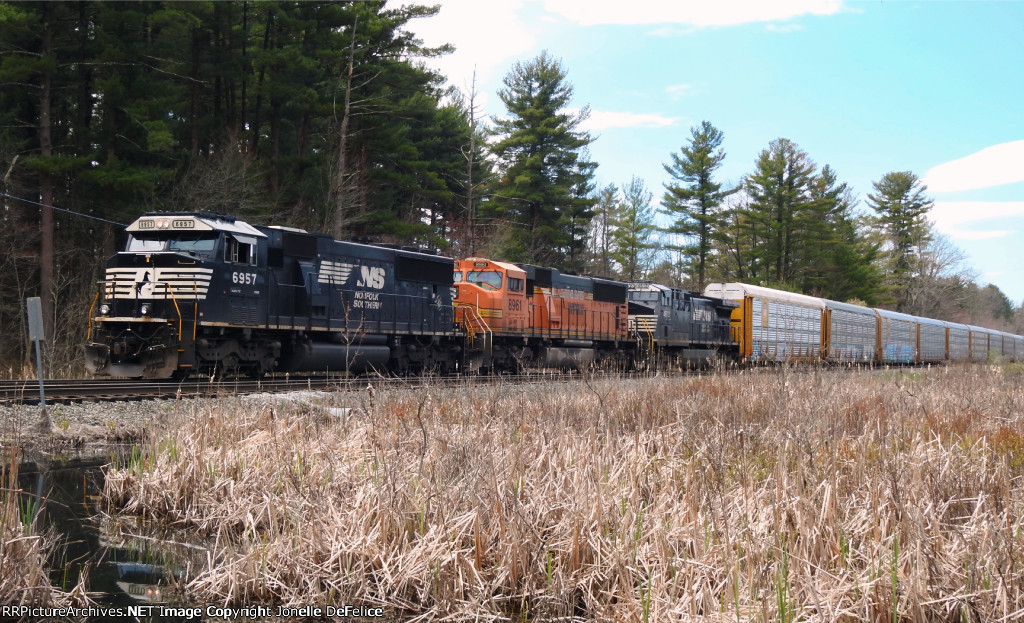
<point x="205" y="293"/>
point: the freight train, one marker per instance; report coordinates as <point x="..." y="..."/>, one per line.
<point x="202" y="293"/>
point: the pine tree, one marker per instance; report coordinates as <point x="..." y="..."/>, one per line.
<point x="541" y="192"/>
<point x="575" y="221"/>
<point x="36" y="40"/>
<point x="994" y="302"/>
<point x="779" y="190"/>
<point x="901" y="209"/>
<point x="634" y="224"/>
<point x="116" y="108"/>
<point x="736" y="237"/>
<point x="835" y="260"/>
<point x="602" y="226"/>
<point x="694" y="200"/>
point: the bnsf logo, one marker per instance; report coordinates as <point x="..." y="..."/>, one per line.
<point x="371" y="277"/>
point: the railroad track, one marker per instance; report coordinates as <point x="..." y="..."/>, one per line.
<point x="90" y="390"/>
<point x="95" y="390"/>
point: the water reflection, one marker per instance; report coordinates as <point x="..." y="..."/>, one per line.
<point x="122" y="569"/>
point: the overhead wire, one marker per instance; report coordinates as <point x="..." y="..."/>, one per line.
<point x="64" y="210"/>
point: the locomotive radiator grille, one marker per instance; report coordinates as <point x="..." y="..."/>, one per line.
<point x="242" y="315"/>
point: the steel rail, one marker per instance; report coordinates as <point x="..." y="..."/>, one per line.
<point x="95" y="390"/>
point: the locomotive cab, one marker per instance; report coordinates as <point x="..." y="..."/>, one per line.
<point x="495" y="292"/>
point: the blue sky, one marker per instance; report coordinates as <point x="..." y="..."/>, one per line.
<point x="867" y="87"/>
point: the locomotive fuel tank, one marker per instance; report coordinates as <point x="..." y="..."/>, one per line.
<point x="329" y="357"/>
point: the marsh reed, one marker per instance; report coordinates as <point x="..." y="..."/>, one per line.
<point x="761" y="496"/>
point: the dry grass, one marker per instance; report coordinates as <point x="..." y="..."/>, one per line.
<point x="24" y="547"/>
<point x="783" y="496"/>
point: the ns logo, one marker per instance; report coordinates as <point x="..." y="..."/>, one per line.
<point x="371" y="277"/>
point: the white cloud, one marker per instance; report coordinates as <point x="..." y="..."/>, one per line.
<point x="517" y="26"/>
<point x="952" y="213"/>
<point x="487" y="50"/>
<point x="950" y="217"/>
<point x="992" y="166"/>
<point x="692" y="12"/>
<point x="602" y="120"/>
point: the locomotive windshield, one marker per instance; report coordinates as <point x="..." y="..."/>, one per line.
<point x="643" y="295"/>
<point x="201" y="244"/>
<point x="487" y="279"/>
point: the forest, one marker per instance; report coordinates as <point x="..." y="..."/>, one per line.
<point x="323" y="115"/>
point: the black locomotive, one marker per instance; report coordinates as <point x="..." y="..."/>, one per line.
<point x="677" y="328"/>
<point x="206" y="293"/>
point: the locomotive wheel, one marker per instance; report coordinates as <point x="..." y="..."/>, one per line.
<point x="256" y="372"/>
<point x="228" y="366"/>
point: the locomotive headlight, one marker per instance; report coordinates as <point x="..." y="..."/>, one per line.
<point x="144" y="310"/>
<point x="104" y="309"/>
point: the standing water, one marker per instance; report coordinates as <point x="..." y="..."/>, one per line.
<point x="124" y="573"/>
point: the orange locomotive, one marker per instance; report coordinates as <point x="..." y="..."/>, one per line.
<point x="524" y="315"/>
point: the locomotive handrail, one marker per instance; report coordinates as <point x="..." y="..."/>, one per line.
<point x="96" y="298"/>
<point x="474" y="318"/>
<point x="108" y="288"/>
<point x="595" y="321"/>
<point x="643" y="328"/>
<point x="277" y="308"/>
<point x="174" y="300"/>
<point x="290" y="299"/>
<point x="395" y="312"/>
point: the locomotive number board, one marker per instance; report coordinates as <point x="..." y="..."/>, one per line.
<point x="168" y="224"/>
